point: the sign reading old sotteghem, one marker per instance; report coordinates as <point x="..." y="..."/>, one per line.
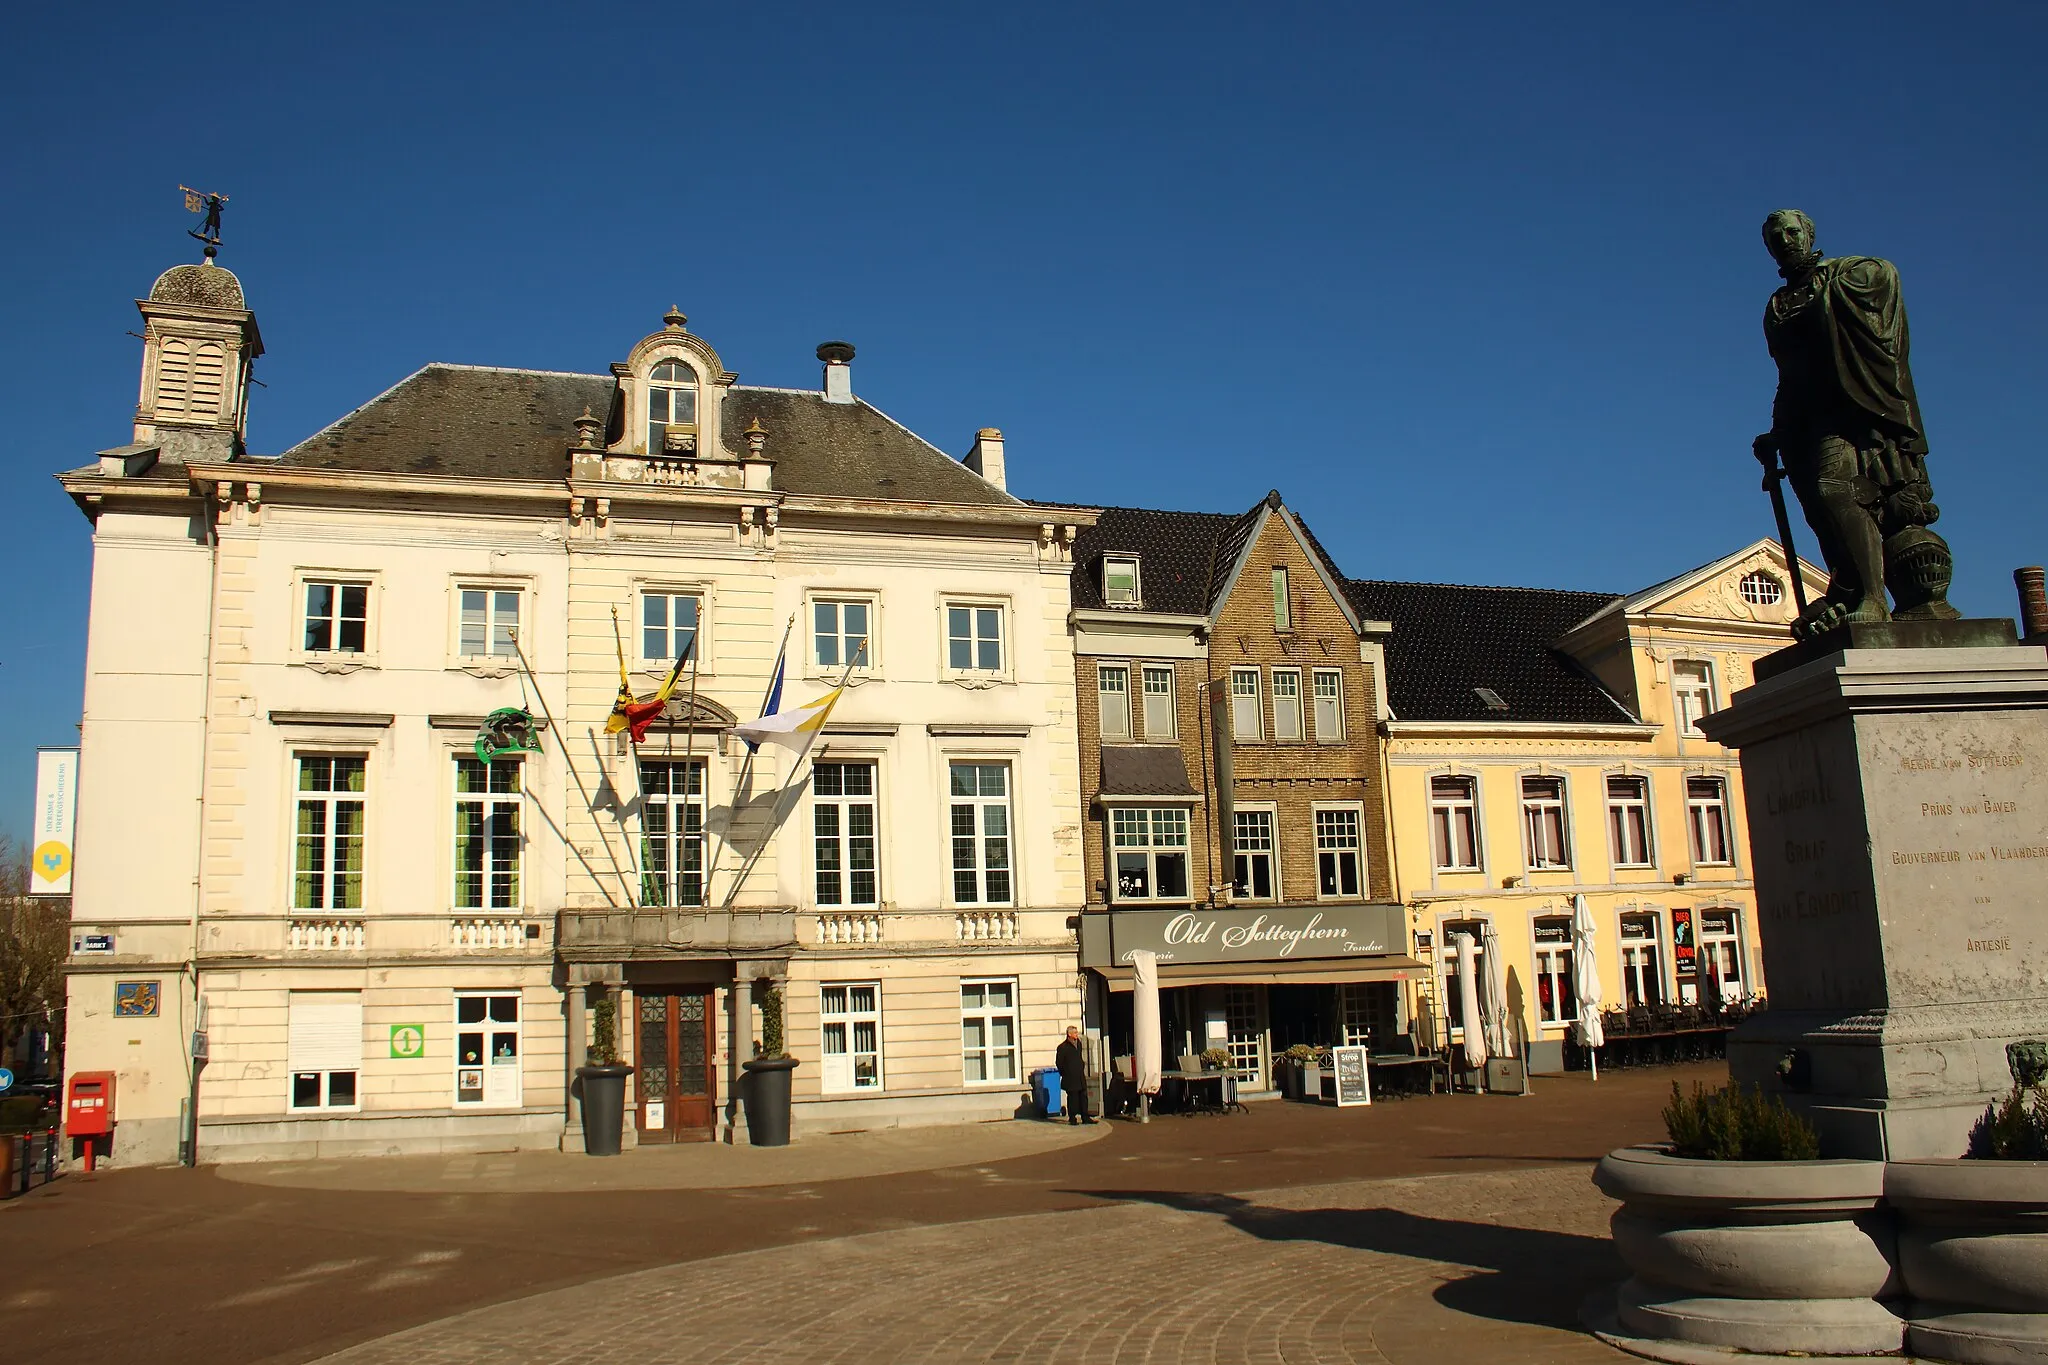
<point x="1285" y="933"/>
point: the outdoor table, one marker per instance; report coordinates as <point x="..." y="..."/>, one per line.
<point x="1226" y="1095"/>
<point x="1401" y="1064"/>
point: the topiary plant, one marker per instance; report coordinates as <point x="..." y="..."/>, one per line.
<point x="604" y="1031"/>
<point x="771" y="1024"/>
<point x="2016" y="1127"/>
<point x="1733" y="1124"/>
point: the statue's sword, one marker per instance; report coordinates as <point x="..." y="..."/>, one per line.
<point x="1774" y="484"/>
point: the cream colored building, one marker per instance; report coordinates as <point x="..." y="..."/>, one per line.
<point x="288" y="846"/>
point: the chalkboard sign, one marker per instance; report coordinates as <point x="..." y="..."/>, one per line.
<point x="1352" y="1087"/>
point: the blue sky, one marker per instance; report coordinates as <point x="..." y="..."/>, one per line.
<point x="1477" y="286"/>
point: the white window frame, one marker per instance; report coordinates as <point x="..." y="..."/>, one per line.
<point x="1170" y="712"/>
<point x="1265" y="813"/>
<point x="1692" y="698"/>
<point x="339" y="583"/>
<point x="979" y="807"/>
<point x="1328" y="704"/>
<point x="495" y="629"/>
<point x="1113" y="704"/>
<point x="843" y="843"/>
<point x="869" y="659"/>
<point x="975" y="607"/>
<point x="1443" y="824"/>
<point x="484" y="1069"/>
<point x="1633" y="967"/>
<point x="1247" y="708"/>
<point x="693" y="385"/>
<point x="1327" y="835"/>
<point x="322" y="1047"/>
<point x="1110" y="564"/>
<point x="675" y="840"/>
<point x="1711" y="942"/>
<point x="1554" y="964"/>
<point x="1287" y="713"/>
<point x="1151" y="833"/>
<point x="329" y="802"/>
<point x="672" y="635"/>
<point x="1532" y="809"/>
<point x="1704" y="812"/>
<point x="988" y="1016"/>
<point x="844" y="1077"/>
<point x="1618" y="809"/>
<point x="490" y="805"/>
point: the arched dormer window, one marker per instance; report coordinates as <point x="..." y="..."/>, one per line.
<point x="671" y="404"/>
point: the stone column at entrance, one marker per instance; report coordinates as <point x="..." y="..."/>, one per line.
<point x="576" y="1035"/>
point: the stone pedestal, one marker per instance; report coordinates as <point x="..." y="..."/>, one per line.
<point x="1897" y="801"/>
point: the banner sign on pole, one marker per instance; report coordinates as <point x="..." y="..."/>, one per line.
<point x="56" y="815"/>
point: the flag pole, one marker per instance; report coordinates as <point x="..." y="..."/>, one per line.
<point x="740" y="779"/>
<point x="576" y="774"/>
<point x="633" y="846"/>
<point x="689" y="750"/>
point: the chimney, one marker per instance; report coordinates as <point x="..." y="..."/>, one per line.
<point x="838" y="358"/>
<point x="2033" y="585"/>
<point x="986" y="459"/>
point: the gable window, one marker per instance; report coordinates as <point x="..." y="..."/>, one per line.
<point x="1642" y="961"/>
<point x="1120" y="580"/>
<point x="672" y="832"/>
<point x="1760" y="589"/>
<point x="974" y="637"/>
<point x="1692" y="684"/>
<point x="1339" y="850"/>
<point x="1557" y="1000"/>
<point x="1628" y="821"/>
<point x="850" y="1018"/>
<point x="324" y="1047"/>
<point x="1283" y="607"/>
<point x="988" y="1031"/>
<point x="980" y="825"/>
<point x="337" y="617"/>
<point x="839" y="632"/>
<point x="1246" y="722"/>
<point x="487" y="841"/>
<point x="1706" y="803"/>
<point x="1454" y="823"/>
<point x="1113" y="696"/>
<point x="328" y="842"/>
<point x="1252" y="874"/>
<point x="671" y="402"/>
<point x="1287" y="703"/>
<point x="1159" y="701"/>
<point x="1543" y="822"/>
<point x="1151" y="852"/>
<point x="843" y="830"/>
<point x="490" y="621"/>
<point x="669" y="622"/>
<point x="1329" y="689"/>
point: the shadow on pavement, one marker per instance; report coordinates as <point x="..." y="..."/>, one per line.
<point x="1528" y="1275"/>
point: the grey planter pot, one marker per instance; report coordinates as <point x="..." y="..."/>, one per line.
<point x="1973" y="1251"/>
<point x="604" y="1107"/>
<point x="765" y="1094"/>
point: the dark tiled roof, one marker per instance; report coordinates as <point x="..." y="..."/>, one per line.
<point x="1450" y="639"/>
<point x="1144" y="770"/>
<point x="518" y="424"/>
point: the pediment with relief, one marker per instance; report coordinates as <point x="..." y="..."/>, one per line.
<point x="701" y="713"/>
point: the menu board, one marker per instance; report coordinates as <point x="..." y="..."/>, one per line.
<point x="1352" y="1086"/>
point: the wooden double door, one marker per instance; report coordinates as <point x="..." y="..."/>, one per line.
<point x="674" y="1060"/>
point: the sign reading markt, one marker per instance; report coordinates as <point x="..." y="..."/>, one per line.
<point x="1283" y="933"/>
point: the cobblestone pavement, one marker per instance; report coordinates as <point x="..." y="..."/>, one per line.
<point x="1481" y="1268"/>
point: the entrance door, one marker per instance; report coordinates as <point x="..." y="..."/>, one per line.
<point x="677" y="1086"/>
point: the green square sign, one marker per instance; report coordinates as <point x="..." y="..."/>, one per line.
<point x="409" y="1041"/>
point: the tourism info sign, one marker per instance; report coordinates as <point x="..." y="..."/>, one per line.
<point x="56" y="817"/>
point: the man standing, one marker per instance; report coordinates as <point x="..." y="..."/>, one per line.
<point x="1072" y="1062"/>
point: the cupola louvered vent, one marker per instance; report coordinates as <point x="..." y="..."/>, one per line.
<point x="173" y="378"/>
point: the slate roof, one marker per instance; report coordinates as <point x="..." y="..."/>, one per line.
<point x="518" y="424"/>
<point x="1449" y="639"/>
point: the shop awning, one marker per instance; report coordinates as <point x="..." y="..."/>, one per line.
<point x="1326" y="972"/>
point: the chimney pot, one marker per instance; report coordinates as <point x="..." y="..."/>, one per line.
<point x="838" y="358"/>
<point x="986" y="459"/>
<point x="2033" y="585"/>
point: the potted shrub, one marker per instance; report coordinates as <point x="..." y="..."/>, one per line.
<point x="1312" y="1073"/>
<point x="1292" y="1062"/>
<point x="1215" y="1059"/>
<point x="1738" y="1236"/>
<point x="603" y="1079"/>
<point x="765" y="1092"/>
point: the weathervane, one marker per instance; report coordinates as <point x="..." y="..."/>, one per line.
<point x="204" y="201"/>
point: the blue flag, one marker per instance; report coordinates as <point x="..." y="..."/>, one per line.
<point x="773" y="702"/>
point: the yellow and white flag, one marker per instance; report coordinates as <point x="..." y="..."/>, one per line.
<point x="795" y="728"/>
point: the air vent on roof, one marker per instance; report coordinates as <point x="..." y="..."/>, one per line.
<point x="1492" y="700"/>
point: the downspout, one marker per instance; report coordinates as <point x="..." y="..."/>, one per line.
<point x="192" y="1065"/>
<point x="1208" y="793"/>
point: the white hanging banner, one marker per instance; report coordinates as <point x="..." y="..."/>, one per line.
<point x="56" y="818"/>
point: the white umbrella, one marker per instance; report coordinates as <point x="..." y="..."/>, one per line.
<point x="1586" y="982"/>
<point x="1495" y="984"/>
<point x="1468" y="1002"/>
<point x="1145" y="1020"/>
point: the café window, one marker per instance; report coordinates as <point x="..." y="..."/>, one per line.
<point x="1557" y="1002"/>
<point x="1454" y="823"/>
<point x="1113" y="699"/>
<point x="1642" y="961"/>
<point x="1628" y="820"/>
<point x="850" y="1027"/>
<point x="487" y="1050"/>
<point x="1706" y="803"/>
<point x="1543" y="822"/>
<point x="1253" y="876"/>
<point x="1721" y="965"/>
<point x="1151" y="850"/>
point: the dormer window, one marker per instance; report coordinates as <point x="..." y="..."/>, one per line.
<point x="671" y="406"/>
<point x="1120" y="580"/>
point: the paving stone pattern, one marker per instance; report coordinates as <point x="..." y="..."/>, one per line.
<point x="1473" y="1269"/>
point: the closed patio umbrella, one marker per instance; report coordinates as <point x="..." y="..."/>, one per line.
<point x="1468" y="1003"/>
<point x="1145" y="1020"/>
<point x="1494" y="981"/>
<point x="1586" y="982"/>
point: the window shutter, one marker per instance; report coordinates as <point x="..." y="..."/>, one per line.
<point x="326" y="1031"/>
<point x="173" y="376"/>
<point x="208" y="363"/>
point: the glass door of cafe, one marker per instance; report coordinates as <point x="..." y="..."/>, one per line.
<point x="673" y="1061"/>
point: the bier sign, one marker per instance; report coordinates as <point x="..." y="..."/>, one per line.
<point x="1352" y="1085"/>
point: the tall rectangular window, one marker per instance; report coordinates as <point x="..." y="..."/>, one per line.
<point x="487" y="842"/>
<point x="1543" y="823"/>
<point x="1453" y="964"/>
<point x="324" y="1048"/>
<point x="981" y="833"/>
<point x="672" y="832"/>
<point x="1283" y="606"/>
<point x="1246" y="720"/>
<point x="1113" y="699"/>
<point x="1628" y="821"/>
<point x="1329" y="686"/>
<point x="1339" y="850"/>
<point x="490" y="621"/>
<point x="487" y="1045"/>
<point x="1706" y="802"/>
<point x="1287" y="703"/>
<point x="668" y="624"/>
<point x="337" y="617"/>
<point x="328" y="862"/>
<point x="843" y="831"/>
<point x="1159" y="702"/>
<point x="1721" y="955"/>
<point x="1557" y="1000"/>
<point x="988" y="1031"/>
<point x="1642" y="961"/>
<point x="850" y="1044"/>
<point x="1692" y="685"/>
<point x="1252" y="874"/>
<point x="1120" y="581"/>
<point x="1454" y="823"/>
<point x="1151" y="845"/>
<point x="839" y="632"/>
<point x="974" y="638"/>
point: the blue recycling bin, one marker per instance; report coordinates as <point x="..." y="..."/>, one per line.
<point x="1045" y="1088"/>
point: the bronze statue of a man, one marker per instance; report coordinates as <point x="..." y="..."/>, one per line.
<point x="1847" y="423"/>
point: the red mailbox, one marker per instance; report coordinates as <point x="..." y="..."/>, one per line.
<point x="89" y="1104"/>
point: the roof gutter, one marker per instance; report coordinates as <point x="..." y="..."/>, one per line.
<point x="1518" y="729"/>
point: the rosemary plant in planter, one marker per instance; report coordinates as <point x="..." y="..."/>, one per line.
<point x="765" y="1092"/>
<point x="603" y="1078"/>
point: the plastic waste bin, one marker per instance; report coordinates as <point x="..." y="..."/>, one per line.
<point x="1045" y="1088"/>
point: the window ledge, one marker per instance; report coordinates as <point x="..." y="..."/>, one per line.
<point x="485" y="668"/>
<point x="977" y="681"/>
<point x="971" y="729"/>
<point x="342" y="664"/>
<point x="376" y="720"/>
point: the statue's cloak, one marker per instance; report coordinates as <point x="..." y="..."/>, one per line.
<point x="1862" y="315"/>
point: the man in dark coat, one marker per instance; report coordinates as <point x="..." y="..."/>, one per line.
<point x="1072" y="1062"/>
